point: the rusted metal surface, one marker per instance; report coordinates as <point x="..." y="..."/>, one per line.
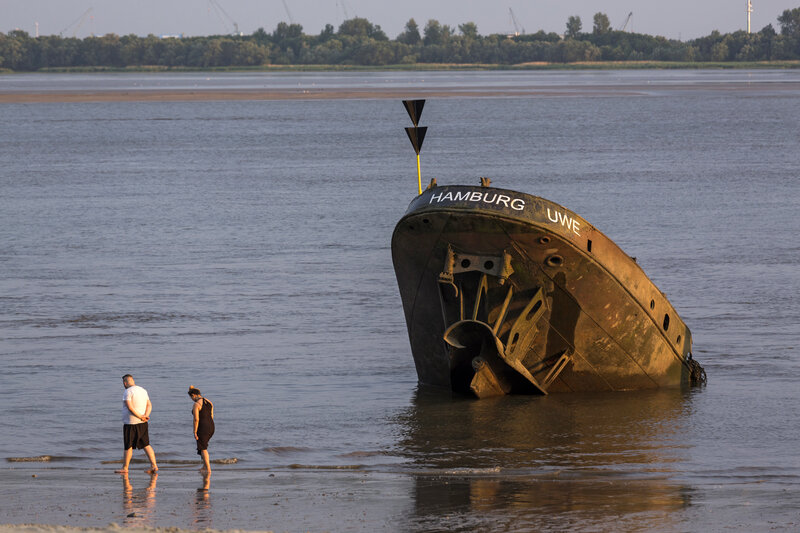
<point x="505" y="292"/>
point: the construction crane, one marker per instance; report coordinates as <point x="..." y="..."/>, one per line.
<point x="288" y="13"/>
<point x="517" y="29"/>
<point x="220" y="12"/>
<point x="77" y="23"/>
<point x="627" y="20"/>
<point x="343" y="4"/>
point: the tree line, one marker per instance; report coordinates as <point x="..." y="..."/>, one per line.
<point x="357" y="41"/>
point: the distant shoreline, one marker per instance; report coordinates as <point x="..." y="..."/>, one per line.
<point x="581" y="65"/>
<point x="345" y="94"/>
<point x="311" y="92"/>
<point x="288" y="94"/>
<point x="210" y="95"/>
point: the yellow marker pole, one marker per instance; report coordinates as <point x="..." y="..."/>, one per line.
<point x="419" y="176"/>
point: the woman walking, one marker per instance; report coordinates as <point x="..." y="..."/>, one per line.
<point x="203" y="415"/>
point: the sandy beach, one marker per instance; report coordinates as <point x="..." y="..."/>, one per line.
<point x="194" y="95"/>
<point x="293" y="94"/>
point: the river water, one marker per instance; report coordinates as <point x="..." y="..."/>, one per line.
<point x="243" y="247"/>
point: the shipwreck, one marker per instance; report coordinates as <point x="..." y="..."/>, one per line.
<point x="505" y="292"/>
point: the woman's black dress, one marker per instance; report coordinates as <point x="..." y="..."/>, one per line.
<point x="205" y="426"/>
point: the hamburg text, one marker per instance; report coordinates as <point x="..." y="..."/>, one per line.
<point x="494" y="198"/>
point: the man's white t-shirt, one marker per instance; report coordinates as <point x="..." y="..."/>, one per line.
<point x="139" y="398"/>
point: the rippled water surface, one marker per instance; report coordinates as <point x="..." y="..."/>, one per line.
<point x="243" y="247"/>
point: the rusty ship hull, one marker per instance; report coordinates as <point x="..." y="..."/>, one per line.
<point x="505" y="292"/>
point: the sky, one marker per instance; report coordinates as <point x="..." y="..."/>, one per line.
<point x="674" y="19"/>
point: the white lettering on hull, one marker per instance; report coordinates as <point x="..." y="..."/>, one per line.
<point x="517" y="204"/>
<point x="566" y="221"/>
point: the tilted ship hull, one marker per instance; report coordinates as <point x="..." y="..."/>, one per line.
<point x="505" y="292"/>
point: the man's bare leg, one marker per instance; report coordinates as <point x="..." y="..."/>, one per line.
<point x="148" y="450"/>
<point x="206" y="461"/>
<point x="126" y="460"/>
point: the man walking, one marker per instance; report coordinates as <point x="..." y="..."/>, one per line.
<point x="136" y="409"/>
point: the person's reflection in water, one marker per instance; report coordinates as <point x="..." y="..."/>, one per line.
<point x="202" y="504"/>
<point x="138" y="505"/>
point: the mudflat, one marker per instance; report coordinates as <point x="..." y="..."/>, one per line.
<point x="248" y="94"/>
<point x="189" y="95"/>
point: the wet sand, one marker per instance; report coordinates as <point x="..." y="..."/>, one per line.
<point x="294" y="499"/>
<point x="111" y="528"/>
<point x="186" y="95"/>
<point x="355" y="499"/>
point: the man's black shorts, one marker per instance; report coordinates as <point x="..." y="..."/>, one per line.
<point x="136" y="435"/>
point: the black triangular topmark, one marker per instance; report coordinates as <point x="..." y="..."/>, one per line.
<point x="416" y="136"/>
<point x="414" y="108"/>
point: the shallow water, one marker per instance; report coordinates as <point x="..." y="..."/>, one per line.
<point x="243" y="247"/>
